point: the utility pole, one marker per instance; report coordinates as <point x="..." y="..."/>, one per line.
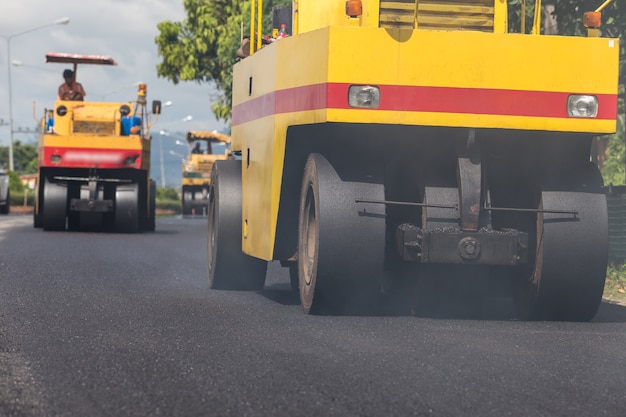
<point x="62" y="21"/>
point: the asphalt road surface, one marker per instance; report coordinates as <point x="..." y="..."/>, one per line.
<point x="124" y="325"/>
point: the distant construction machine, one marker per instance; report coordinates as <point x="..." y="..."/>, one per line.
<point x="94" y="162"/>
<point x="203" y="152"/>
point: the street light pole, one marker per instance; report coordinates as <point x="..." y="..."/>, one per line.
<point x="10" y="105"/>
<point x="162" y="164"/>
<point x="62" y="21"/>
<point x="166" y="133"/>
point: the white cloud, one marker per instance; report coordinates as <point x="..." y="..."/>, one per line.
<point x="124" y="30"/>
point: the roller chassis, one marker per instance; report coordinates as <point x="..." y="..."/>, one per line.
<point x="95" y="200"/>
<point x="195" y="199"/>
<point x="523" y="236"/>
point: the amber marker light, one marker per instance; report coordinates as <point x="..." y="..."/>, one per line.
<point x="592" y="19"/>
<point x="354" y="8"/>
<point x="143" y="89"/>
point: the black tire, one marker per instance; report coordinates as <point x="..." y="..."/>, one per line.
<point x="567" y="280"/>
<point x="127" y="208"/>
<point x="341" y="243"/>
<point x="54" y="205"/>
<point x="293" y="277"/>
<point x="229" y="268"/>
<point x="150" y="221"/>
<point x="37" y="223"/>
<point x="187" y="198"/>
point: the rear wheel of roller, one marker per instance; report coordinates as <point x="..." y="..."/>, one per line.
<point x="229" y="267"/>
<point x="127" y="208"/>
<point x="54" y="205"/>
<point x="341" y="243"/>
<point x="567" y="280"/>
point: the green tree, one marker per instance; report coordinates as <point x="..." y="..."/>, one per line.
<point x="14" y="182"/>
<point x="24" y="157"/>
<point x="166" y="193"/>
<point x="614" y="169"/>
<point x="202" y="47"/>
<point x="515" y="12"/>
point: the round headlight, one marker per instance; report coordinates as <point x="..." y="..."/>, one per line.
<point x="61" y="110"/>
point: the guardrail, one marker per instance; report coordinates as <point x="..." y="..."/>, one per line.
<point x="616" y="203"/>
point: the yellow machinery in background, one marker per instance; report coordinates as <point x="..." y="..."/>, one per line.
<point x="417" y="151"/>
<point x="94" y="162"/>
<point x="203" y="152"/>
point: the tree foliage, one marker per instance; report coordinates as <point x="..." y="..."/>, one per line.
<point x="24" y="157"/>
<point x="614" y="169"/>
<point x="15" y="184"/>
<point x="202" y="47"/>
<point x="166" y="193"/>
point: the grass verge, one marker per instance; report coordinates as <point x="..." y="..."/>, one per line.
<point x="615" y="284"/>
<point x="167" y="207"/>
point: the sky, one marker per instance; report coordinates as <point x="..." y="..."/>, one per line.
<point x="121" y="29"/>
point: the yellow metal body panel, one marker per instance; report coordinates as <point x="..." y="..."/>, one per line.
<point x="484" y="15"/>
<point x="99" y="114"/>
<point x="426" y="78"/>
<point x="91" y="126"/>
